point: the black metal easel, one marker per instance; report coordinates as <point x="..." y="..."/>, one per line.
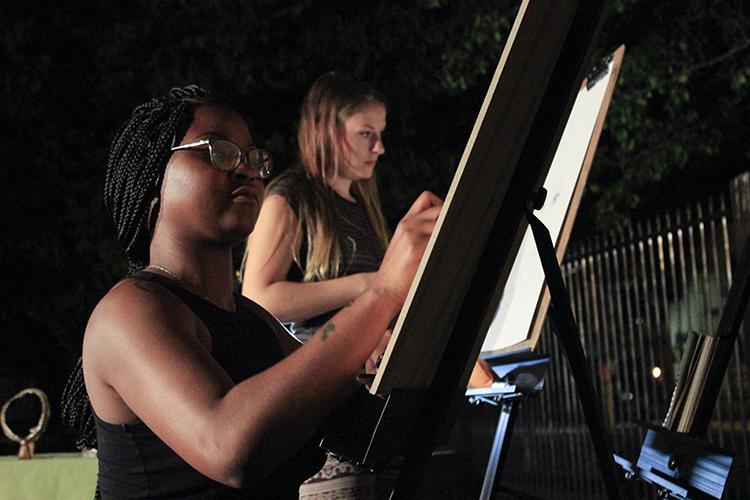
<point x="523" y="377"/>
<point x="404" y="425"/>
<point x="566" y="329"/>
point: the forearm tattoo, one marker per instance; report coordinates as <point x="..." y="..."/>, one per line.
<point x="327" y="330"/>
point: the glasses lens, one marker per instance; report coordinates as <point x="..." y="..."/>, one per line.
<point x="261" y="160"/>
<point x="225" y="155"/>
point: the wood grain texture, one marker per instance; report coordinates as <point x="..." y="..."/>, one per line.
<point x="509" y="151"/>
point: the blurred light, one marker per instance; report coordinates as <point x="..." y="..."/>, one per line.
<point x="656" y="372"/>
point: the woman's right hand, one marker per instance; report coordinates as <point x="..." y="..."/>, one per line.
<point x="405" y="250"/>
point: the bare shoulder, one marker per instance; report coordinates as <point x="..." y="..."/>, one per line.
<point x="275" y="221"/>
<point x="278" y="205"/>
<point x="146" y="353"/>
<point x="133" y="308"/>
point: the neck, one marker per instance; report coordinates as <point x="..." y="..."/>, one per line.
<point x="342" y="187"/>
<point x="205" y="271"/>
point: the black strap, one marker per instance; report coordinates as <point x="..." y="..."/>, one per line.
<point x="566" y="329"/>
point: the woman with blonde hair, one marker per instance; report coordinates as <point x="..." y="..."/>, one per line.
<point x="321" y="233"/>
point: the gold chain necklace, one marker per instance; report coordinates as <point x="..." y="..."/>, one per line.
<point x="187" y="286"/>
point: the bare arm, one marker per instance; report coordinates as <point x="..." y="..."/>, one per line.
<point x="149" y="350"/>
<point x="269" y="257"/>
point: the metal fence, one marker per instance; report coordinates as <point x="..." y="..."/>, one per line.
<point x="637" y="294"/>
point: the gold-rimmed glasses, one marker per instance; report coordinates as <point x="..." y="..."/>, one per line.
<point x="227" y="156"/>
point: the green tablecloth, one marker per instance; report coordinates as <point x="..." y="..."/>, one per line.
<point x="48" y="476"/>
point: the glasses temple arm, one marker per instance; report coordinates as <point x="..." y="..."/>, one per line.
<point x="202" y="142"/>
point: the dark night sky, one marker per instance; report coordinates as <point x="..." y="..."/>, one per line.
<point x="72" y="72"/>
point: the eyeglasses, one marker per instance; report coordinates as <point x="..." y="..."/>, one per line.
<point x="227" y="156"/>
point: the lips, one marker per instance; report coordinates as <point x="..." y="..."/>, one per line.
<point x="245" y="193"/>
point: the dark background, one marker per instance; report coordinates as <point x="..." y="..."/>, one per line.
<point x="72" y="71"/>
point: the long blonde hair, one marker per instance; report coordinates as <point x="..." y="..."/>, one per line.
<point x="331" y="100"/>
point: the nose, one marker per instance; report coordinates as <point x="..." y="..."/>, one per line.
<point x="378" y="147"/>
<point x="245" y="171"/>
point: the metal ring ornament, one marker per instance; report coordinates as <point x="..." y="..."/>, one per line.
<point x="35" y="432"/>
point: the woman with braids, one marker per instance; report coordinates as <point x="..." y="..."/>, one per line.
<point x="196" y="390"/>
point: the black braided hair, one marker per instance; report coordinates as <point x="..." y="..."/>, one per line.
<point x="76" y="411"/>
<point x="135" y="169"/>
<point x="136" y="164"/>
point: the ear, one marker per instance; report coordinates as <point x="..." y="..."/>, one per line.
<point x="153" y="214"/>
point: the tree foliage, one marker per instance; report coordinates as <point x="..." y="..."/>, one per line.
<point x="679" y="119"/>
<point x="74" y="70"/>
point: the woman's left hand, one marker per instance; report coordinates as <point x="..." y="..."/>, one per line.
<point x="481" y="375"/>
<point x="371" y="365"/>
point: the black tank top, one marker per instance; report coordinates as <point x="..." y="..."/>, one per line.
<point x="135" y="463"/>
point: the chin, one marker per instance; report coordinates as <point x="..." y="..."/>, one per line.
<point x="237" y="232"/>
<point x="244" y="217"/>
<point x="367" y="173"/>
<point x="235" y="238"/>
<point x="245" y="230"/>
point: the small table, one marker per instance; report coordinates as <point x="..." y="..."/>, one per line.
<point x="48" y="475"/>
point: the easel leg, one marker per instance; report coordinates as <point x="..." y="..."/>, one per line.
<point x="409" y="478"/>
<point x="568" y="334"/>
<point x="499" y="449"/>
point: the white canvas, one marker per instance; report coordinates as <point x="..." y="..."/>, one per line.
<point x="523" y="291"/>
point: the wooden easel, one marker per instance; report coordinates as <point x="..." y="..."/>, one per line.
<point x="439" y="333"/>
